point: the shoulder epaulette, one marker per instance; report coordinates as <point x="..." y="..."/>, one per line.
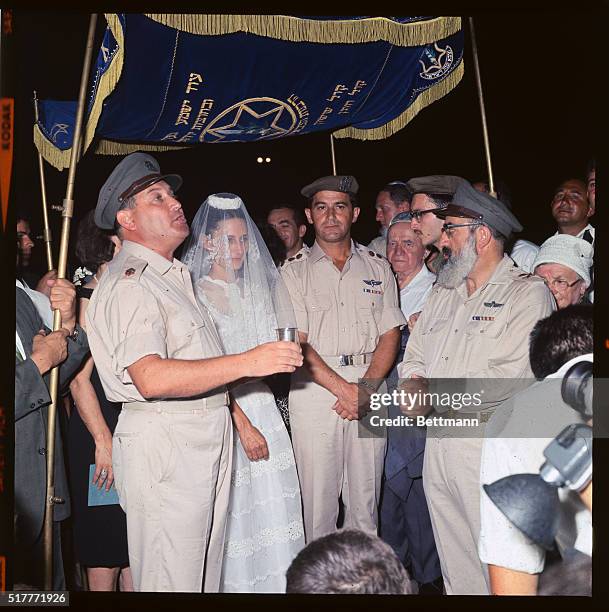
<point x="297" y="257"/>
<point x="132" y="268"/>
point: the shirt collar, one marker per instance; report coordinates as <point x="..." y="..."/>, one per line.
<point x="422" y="277"/>
<point x="500" y="276"/>
<point x="316" y="253"/>
<point x="588" y="227"/>
<point x="158" y="262"/>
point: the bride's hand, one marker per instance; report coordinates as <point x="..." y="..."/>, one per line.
<point x="253" y="442"/>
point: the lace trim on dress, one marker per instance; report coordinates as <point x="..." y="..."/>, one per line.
<point x="280" y="462"/>
<point x="279" y="427"/>
<point x="257" y="579"/>
<point x="236" y="549"/>
<point x="289" y="492"/>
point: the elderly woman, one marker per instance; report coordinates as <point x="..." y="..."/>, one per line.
<point x="564" y="263"/>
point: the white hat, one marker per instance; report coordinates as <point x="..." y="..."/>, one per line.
<point x="568" y="251"/>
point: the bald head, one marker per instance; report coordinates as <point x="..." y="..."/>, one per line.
<point x="570" y="207"/>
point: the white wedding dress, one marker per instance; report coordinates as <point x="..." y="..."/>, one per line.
<point x="264" y="529"/>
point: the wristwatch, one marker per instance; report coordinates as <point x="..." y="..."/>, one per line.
<point x="368" y="385"/>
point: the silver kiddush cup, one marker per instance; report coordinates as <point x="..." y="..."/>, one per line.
<point x="289" y="334"/>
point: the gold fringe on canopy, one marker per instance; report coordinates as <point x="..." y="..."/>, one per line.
<point x="107" y="82"/>
<point x="111" y="147"/>
<point x="54" y="155"/>
<point x="296" y="29"/>
<point x="429" y="96"/>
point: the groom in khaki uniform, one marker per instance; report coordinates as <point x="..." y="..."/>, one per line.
<point x="346" y="305"/>
<point x="158" y="352"/>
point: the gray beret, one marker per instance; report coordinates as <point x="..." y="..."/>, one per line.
<point x="135" y="173"/>
<point x="343" y="184"/>
<point x="473" y="204"/>
<point x="437" y="184"/>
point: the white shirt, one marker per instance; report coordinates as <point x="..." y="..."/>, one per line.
<point x="41" y="301"/>
<point x="588" y="228"/>
<point x="506" y="451"/>
<point x="19" y="345"/>
<point x="524" y="254"/>
<point x="414" y="295"/>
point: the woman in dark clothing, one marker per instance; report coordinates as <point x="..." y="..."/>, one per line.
<point x="100" y="532"/>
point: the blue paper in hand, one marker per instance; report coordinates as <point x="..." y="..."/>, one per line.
<point x="100" y="497"/>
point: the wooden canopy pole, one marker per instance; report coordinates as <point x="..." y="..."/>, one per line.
<point x="487" y="148"/>
<point x="43" y="191"/>
<point x="68" y="207"/>
<point x="333" y="154"/>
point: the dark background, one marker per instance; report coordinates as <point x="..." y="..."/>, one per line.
<point x="541" y="74"/>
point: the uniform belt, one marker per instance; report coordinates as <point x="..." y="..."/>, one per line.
<point x="190" y="405"/>
<point x="348" y="360"/>
<point x="483" y="417"/>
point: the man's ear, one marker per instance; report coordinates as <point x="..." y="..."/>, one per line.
<point x="483" y="237"/>
<point x="118" y="245"/>
<point x="590" y="209"/>
<point x="302" y="230"/>
<point x="355" y="214"/>
<point x="308" y="215"/>
<point x="125" y="219"/>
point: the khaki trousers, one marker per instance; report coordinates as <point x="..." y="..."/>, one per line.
<point x="332" y="460"/>
<point x="172" y="471"/>
<point x="451" y="479"/>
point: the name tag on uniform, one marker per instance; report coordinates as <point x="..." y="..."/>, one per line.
<point x="481" y="318"/>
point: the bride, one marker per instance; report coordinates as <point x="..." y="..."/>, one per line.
<point x="236" y="280"/>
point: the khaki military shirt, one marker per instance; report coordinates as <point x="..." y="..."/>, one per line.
<point x="379" y="245"/>
<point x="343" y="312"/>
<point x="305" y="250"/>
<point x="145" y="305"/>
<point x="485" y="335"/>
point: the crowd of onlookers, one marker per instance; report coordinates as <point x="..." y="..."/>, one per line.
<point x="445" y="291"/>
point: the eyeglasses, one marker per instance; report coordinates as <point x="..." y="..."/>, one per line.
<point x="560" y="284"/>
<point x="417" y="214"/>
<point x="449" y="227"/>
